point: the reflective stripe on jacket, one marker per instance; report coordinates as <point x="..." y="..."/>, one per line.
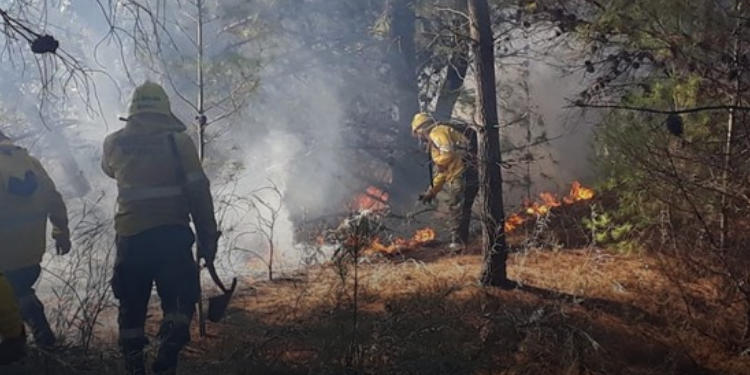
<point x="150" y="195"/>
<point x="447" y="149"/>
<point x="28" y="197"/>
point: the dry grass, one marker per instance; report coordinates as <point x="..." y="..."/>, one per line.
<point x="578" y="312"/>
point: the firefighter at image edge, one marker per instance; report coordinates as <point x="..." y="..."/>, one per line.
<point x="455" y="183"/>
<point x="12" y="337"/>
<point x="161" y="185"/>
<point x="28" y="198"/>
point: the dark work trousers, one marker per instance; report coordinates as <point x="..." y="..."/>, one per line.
<point x="32" y="310"/>
<point x="163" y="256"/>
<point x="456" y="200"/>
<point x="471" y="183"/>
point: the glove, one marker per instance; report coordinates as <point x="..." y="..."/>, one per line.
<point x="207" y="249"/>
<point x="207" y="252"/>
<point x="62" y="244"/>
<point x="427" y="197"/>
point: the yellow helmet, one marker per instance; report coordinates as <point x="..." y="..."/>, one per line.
<point x="149" y="98"/>
<point x="421" y="119"/>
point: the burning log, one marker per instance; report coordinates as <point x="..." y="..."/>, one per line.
<point x="360" y="235"/>
<point x="421" y="238"/>
<point x="363" y="231"/>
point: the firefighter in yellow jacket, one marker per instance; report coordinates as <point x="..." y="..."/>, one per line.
<point x="454" y="173"/>
<point x="161" y="185"/>
<point x="28" y="198"/>
<point x="12" y="338"/>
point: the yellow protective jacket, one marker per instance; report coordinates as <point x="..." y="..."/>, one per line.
<point x="28" y="197"/>
<point x="10" y="318"/>
<point x="140" y="157"/>
<point x="447" y="149"/>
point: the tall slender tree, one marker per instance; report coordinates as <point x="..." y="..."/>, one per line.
<point x="408" y="172"/>
<point x="458" y="64"/>
<point x="490" y="178"/>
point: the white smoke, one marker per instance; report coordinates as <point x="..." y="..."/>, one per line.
<point x="289" y="134"/>
<point x="546" y="65"/>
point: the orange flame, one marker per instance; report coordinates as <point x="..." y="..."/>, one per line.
<point x="377" y="247"/>
<point x="372" y="199"/>
<point x="424" y="235"/>
<point x="549" y="201"/>
<point x="578" y="193"/>
<point x="513" y="221"/>
<point x="420" y="238"/>
<point x="537" y="209"/>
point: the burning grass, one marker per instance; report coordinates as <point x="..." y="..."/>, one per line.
<point x="546" y="203"/>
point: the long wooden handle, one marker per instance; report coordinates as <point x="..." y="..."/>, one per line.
<point x="201" y="314"/>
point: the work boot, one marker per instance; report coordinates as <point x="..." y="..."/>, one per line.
<point x="166" y="359"/>
<point x="32" y="311"/>
<point x="135" y="363"/>
<point x="171" y="371"/>
<point x="174" y="333"/>
<point x="12" y="349"/>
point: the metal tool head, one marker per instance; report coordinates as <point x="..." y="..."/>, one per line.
<point x="217" y="305"/>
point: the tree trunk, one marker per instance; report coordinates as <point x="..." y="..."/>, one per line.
<point x="451" y="89"/>
<point x="408" y="165"/>
<point x="270" y="259"/>
<point x="735" y="100"/>
<point x="490" y="178"/>
<point x="457" y="67"/>
<point x="201" y="117"/>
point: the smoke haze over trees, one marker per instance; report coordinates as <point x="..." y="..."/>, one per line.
<point x="307" y="107"/>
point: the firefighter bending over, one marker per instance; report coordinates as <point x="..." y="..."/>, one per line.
<point x="161" y="185"/>
<point x="452" y="149"/>
<point x="28" y="198"/>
